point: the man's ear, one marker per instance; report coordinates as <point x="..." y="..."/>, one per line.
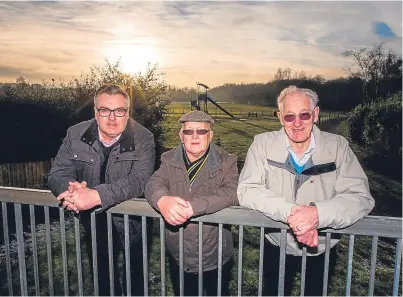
<point x="180" y="136"/>
<point x="279" y="115"/>
<point x="316" y="114"/>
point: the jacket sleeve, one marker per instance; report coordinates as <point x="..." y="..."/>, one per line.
<point x="63" y="168"/>
<point x="131" y="186"/>
<point x="252" y="190"/>
<point x="157" y="186"/>
<point x="224" y="196"/>
<point x="352" y="199"/>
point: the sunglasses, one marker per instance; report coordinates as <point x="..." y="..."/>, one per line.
<point x="198" y="131"/>
<point x="304" y="116"/>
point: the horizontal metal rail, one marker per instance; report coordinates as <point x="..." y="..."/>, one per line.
<point x="369" y="225"/>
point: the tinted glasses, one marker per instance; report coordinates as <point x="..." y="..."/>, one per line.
<point x="303" y="116"/>
<point x="198" y="131"/>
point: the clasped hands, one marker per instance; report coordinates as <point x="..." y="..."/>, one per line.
<point x="175" y="210"/>
<point x="78" y="197"/>
<point x="303" y="220"/>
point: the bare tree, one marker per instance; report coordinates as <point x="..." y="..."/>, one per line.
<point x="373" y="66"/>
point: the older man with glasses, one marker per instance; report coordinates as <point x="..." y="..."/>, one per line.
<point x="307" y="179"/>
<point x="195" y="178"/>
<point x="101" y="163"/>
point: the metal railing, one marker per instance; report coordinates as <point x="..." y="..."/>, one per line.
<point x="372" y="226"/>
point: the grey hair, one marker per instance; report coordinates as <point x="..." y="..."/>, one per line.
<point x="311" y="95"/>
<point x="111" y="90"/>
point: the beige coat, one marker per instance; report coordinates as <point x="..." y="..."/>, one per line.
<point x="333" y="179"/>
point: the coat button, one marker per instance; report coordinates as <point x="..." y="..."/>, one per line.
<point x="123" y="149"/>
<point x="75" y="156"/>
<point x="92" y="160"/>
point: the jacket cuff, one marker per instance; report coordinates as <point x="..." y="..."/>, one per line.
<point x="199" y="206"/>
<point x="320" y="207"/>
<point x="105" y="196"/>
<point x="156" y="197"/>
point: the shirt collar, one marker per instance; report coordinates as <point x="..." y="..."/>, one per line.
<point x="108" y="143"/>
<point x="306" y="155"/>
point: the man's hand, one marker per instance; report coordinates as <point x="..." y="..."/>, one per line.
<point x="81" y="199"/>
<point x="73" y="186"/>
<point x="303" y="219"/>
<point x="174" y="209"/>
<point x="310" y="238"/>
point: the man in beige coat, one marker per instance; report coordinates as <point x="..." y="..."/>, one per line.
<point x="308" y="179"/>
<point x="194" y="179"/>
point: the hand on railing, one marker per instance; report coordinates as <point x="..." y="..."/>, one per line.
<point x="78" y="197"/>
<point x="175" y="210"/>
<point x="310" y="238"/>
<point x="303" y="220"/>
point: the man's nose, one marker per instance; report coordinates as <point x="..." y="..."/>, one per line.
<point x="112" y="116"/>
<point x="297" y="121"/>
<point x="195" y="135"/>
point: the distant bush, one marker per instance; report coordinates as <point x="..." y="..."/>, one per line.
<point x="383" y="127"/>
<point x="378" y="127"/>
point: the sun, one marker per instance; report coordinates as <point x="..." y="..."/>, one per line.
<point x="134" y="56"/>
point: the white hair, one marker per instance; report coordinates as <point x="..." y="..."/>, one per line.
<point x="311" y="95"/>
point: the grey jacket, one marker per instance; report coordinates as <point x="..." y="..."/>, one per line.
<point x="130" y="163"/>
<point x="333" y="179"/>
<point x="213" y="190"/>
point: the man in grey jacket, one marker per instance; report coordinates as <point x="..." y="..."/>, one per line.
<point x="308" y="179"/>
<point x="194" y="179"/>
<point x="101" y="163"/>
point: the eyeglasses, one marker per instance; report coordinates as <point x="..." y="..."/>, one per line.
<point x="198" y="131"/>
<point x="118" y="112"/>
<point x="303" y="116"/>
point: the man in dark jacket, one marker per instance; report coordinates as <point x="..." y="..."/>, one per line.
<point x="101" y="163"/>
<point x="194" y="179"/>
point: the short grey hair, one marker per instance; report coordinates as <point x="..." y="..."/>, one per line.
<point x="111" y="89"/>
<point x="311" y="95"/>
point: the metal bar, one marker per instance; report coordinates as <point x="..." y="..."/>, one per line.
<point x="326" y="268"/>
<point x="303" y="271"/>
<point x="145" y="256"/>
<point x="162" y="239"/>
<point x="34" y="249"/>
<point x="49" y="251"/>
<point x="181" y="274"/>
<point x="201" y="259"/>
<point x="398" y="260"/>
<point x="78" y="256"/>
<point x="349" y="263"/>
<point x="261" y="254"/>
<point x="219" y="276"/>
<point x="94" y="253"/>
<point x="240" y="260"/>
<point x="281" y="269"/>
<point x="64" y="252"/>
<point x="21" y="249"/>
<point x="110" y="255"/>
<point x="127" y="256"/>
<point x="373" y="265"/>
<point x="7" y="246"/>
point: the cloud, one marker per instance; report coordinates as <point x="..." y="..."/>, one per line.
<point x="214" y="42"/>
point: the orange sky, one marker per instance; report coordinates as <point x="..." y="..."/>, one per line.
<point x="213" y="42"/>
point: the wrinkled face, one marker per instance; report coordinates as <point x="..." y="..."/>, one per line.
<point x="196" y="145"/>
<point x="298" y="118"/>
<point x="111" y="126"/>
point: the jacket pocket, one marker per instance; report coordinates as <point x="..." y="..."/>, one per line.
<point x="123" y="165"/>
<point x="85" y="164"/>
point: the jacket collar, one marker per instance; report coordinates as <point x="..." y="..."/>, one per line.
<point x="126" y="141"/>
<point x="278" y="149"/>
<point x="213" y="161"/>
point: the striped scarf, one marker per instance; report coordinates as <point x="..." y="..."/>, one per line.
<point x="193" y="168"/>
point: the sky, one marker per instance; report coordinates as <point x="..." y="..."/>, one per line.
<point x="211" y="42"/>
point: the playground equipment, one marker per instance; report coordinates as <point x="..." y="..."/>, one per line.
<point x="202" y="97"/>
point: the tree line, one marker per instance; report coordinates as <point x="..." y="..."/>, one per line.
<point x="371" y="73"/>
